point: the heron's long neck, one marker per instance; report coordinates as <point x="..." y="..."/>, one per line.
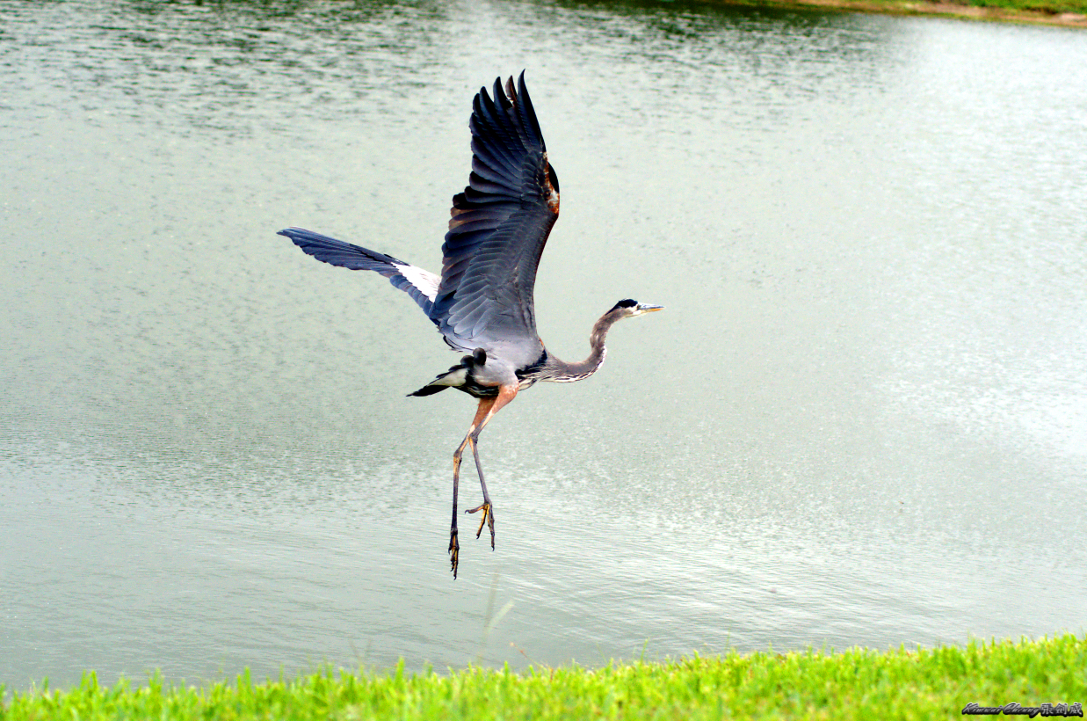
<point x="562" y="372"/>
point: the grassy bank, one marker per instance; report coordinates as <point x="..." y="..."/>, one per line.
<point x="856" y="684"/>
<point x="1068" y="13"/>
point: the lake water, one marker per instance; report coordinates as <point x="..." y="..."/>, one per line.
<point x="861" y="419"/>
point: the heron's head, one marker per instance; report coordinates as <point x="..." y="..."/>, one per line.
<point x="630" y="308"/>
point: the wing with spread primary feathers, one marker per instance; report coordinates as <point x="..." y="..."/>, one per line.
<point x="498" y="229"/>
<point x="420" y="284"/>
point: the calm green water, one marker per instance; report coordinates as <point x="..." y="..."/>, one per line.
<point x="862" y="418"/>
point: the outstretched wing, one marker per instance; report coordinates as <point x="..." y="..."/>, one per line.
<point x="420" y="284"/>
<point x="498" y="229"/>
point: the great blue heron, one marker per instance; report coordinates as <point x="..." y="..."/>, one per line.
<point x="482" y="302"/>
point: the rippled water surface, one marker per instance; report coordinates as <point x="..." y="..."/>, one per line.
<point x="862" y="418"/>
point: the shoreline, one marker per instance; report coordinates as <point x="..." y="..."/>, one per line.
<point x="926" y="8"/>
<point x="856" y="683"/>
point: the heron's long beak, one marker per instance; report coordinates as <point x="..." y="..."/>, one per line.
<point x="646" y="308"/>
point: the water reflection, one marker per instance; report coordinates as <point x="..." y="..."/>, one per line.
<point x="870" y="352"/>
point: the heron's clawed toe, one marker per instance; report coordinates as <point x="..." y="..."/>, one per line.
<point x="454" y="552"/>
<point x="488" y="518"/>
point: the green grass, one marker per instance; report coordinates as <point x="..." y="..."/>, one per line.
<point x="1046" y="6"/>
<point x="856" y="684"/>
<point x="1039" y="11"/>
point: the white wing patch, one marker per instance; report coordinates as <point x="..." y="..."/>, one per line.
<point x="424" y="280"/>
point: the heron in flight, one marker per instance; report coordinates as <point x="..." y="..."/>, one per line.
<point x="482" y="301"/>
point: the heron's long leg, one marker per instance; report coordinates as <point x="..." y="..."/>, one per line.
<point x="505" y="395"/>
<point x="482" y="412"/>
<point x="487" y="507"/>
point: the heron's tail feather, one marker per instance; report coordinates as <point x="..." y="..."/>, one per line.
<point x="452" y="378"/>
<point x="428" y="390"/>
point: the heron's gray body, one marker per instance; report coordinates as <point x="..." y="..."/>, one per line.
<point x="482" y="303"/>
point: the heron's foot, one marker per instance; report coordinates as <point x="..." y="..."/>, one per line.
<point x="488" y="518"/>
<point x="454" y="551"/>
